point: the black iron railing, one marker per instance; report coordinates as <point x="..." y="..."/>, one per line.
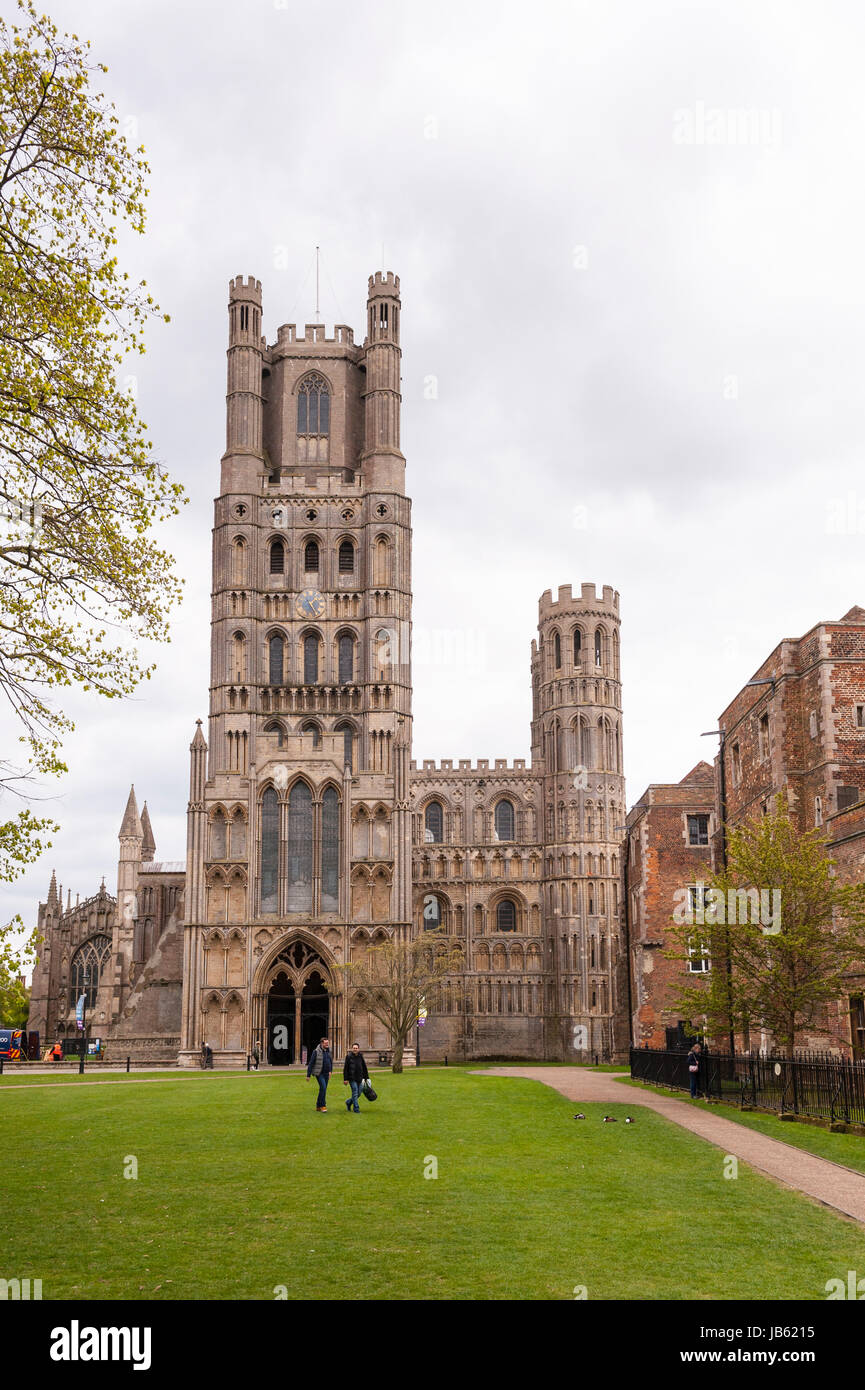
<point x="816" y="1084"/>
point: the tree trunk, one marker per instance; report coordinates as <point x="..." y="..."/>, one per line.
<point x="397" y="1057"/>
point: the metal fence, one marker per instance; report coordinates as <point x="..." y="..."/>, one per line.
<point x="813" y="1084"/>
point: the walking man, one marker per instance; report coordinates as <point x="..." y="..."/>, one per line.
<point x="320" y="1066"/>
<point x="354" y="1073"/>
<point x="694" y="1068"/>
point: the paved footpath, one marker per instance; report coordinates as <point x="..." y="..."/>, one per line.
<point x="820" y="1178"/>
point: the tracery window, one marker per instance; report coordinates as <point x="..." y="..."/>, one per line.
<point x="313" y="405"/>
<point x="330" y="851"/>
<point x="87" y="966"/>
<point x="299" y="858"/>
<point x="269" y="850"/>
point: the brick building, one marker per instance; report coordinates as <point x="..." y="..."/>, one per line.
<point x="798" y="728"/>
<point x="312" y="836"/>
<point x="668" y="846"/>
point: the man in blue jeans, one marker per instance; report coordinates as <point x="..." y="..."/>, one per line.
<point x="320" y="1066"/>
<point x="354" y="1073"/>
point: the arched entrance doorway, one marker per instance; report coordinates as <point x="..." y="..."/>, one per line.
<point x="295" y="1005"/>
<point x="281" y="1012"/>
<point x="314" y="1012"/>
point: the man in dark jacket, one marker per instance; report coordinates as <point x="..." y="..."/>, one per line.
<point x="354" y="1073"/>
<point x="320" y="1066"/>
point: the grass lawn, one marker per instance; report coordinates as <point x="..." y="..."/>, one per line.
<point x="847" y="1149"/>
<point x="243" y="1188"/>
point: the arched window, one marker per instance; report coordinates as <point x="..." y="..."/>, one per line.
<point x="346" y="558"/>
<point x="381" y="561"/>
<point x="277" y="558"/>
<point x="330" y="851"/>
<point x="238" y="835"/>
<point x="346" y="659"/>
<point x="557" y="649"/>
<point x="269" y="850"/>
<point x="299" y="859"/>
<point x="578" y="646"/>
<point x="313" y="406"/>
<point x="310" y="557"/>
<point x="383" y="654"/>
<point x="598" y="647"/>
<point x="217" y="836"/>
<point x="432" y="912"/>
<point x="310" y="659"/>
<point x="87" y="966"/>
<point x="311" y="728"/>
<point x="238" y="657"/>
<point x="274" y="727"/>
<point x="239" y="553"/>
<point x="348" y="744"/>
<point x="506" y="915"/>
<point x="504" y="821"/>
<point x="433" y="823"/>
<point x="275" y="659"/>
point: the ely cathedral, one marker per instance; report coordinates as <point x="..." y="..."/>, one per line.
<point x="312" y="835"/>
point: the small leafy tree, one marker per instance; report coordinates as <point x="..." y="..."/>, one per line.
<point x="782" y="933"/>
<point x="15" y="958"/>
<point x="394" y="979"/>
<point x="79" y="486"/>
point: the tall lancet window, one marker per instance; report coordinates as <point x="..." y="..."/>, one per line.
<point x="299" y="865"/>
<point x="276" y="651"/>
<point x="346" y="660"/>
<point x="313" y="419"/>
<point x="310" y="659"/>
<point x="330" y="851"/>
<point x="269" y="851"/>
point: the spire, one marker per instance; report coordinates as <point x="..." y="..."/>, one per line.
<point x="52" y="890"/>
<point x="148" y="848"/>
<point x="198" y="741"/>
<point x="131" y="827"/>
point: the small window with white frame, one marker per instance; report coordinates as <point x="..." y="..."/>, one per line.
<point x="812" y="723"/>
<point x="698" y="830"/>
<point x="699" y="962"/>
<point x="696" y="901"/>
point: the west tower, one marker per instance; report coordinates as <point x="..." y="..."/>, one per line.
<point x="299" y="820"/>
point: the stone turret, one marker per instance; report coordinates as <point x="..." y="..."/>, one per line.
<point x="148" y="844"/>
<point x="577" y="750"/>
<point x="382" y="462"/>
<point x="243" y="458"/>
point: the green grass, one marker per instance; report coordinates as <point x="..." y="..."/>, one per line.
<point x="242" y="1188"/>
<point x="847" y="1149"/>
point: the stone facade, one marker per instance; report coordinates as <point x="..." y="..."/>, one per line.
<point x="312" y="835"/>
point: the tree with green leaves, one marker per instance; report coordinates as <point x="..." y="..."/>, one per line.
<point x="393" y="981"/>
<point x="780" y="932"/>
<point x="81" y="578"/>
<point x="15" y="958"/>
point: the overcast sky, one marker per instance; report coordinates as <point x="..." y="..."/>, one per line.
<point x="642" y="311"/>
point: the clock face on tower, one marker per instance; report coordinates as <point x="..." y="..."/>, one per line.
<point x="310" y="603"/>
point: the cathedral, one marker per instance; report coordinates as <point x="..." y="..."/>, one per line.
<point x="312" y="836"/>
